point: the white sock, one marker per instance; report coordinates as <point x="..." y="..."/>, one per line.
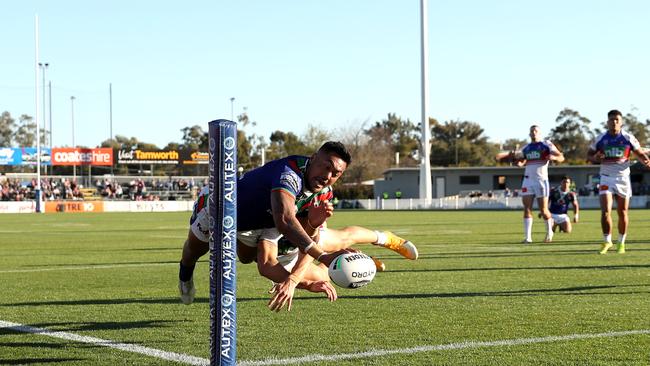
<point x="608" y="238"/>
<point x="381" y="238"/>
<point x="621" y="238"/>
<point x="528" y="227"/>
<point x="549" y="228"/>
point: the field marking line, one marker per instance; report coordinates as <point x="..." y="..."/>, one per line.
<point x="441" y="347"/>
<point x="100" y="266"/>
<point x="134" y="348"/>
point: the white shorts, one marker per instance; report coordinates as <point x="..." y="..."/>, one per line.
<point x="534" y="187"/>
<point x="619" y="185"/>
<point x="560" y="218"/>
<point x="287" y="253"/>
<point x="287" y="257"/>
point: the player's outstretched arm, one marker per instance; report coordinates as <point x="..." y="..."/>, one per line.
<point x="322" y="286"/>
<point x="286" y="283"/>
<point x="505" y="156"/>
<point x="576" y="209"/>
<point x="268" y="266"/>
<point x="595" y="156"/>
<point x="556" y="154"/>
<point x="316" y="217"/>
<point x="283" y="208"/>
<point x="642" y="155"/>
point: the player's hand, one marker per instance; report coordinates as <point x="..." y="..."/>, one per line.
<point x="326" y="259"/>
<point x="317" y="215"/>
<point x="283" y="294"/>
<point x="598" y="157"/>
<point x="323" y="286"/>
<point x="646" y="163"/>
<point x="506" y="156"/>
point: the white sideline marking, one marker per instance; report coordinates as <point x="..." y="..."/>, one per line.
<point x="73" y="268"/>
<point x="441" y="347"/>
<point x="169" y="356"/>
<point x="191" y="360"/>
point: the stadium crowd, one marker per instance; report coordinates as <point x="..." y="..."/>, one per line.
<point x="53" y="189"/>
<point x="137" y="189"/>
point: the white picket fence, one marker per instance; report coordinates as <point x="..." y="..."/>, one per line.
<point x="447" y="203"/>
<point x="468" y="203"/>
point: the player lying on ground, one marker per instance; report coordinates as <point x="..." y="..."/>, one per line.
<point x="276" y="256"/>
<point x="274" y="196"/>
<point x="273" y="266"/>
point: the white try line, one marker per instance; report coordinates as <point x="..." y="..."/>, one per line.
<point x="441" y="347"/>
<point x="134" y="348"/>
<point x="191" y="360"/>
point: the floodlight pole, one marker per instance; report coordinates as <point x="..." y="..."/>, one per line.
<point x="49" y="85"/>
<point x="425" y="142"/>
<point x="37" y="189"/>
<point x="74" y="166"/>
<point x="110" y="109"/>
<point x="232" y="109"/>
<point x="43" y="66"/>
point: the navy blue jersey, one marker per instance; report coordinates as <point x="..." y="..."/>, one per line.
<point x="254" y="191"/>
<point x="559" y="201"/>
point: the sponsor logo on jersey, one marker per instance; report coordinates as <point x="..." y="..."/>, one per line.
<point x="289" y="179"/>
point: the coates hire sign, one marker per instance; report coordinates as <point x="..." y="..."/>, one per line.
<point x="147" y="156"/>
<point x="23" y="156"/>
<point x="79" y="156"/>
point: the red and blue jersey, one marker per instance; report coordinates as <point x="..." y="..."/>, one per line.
<point x="537" y="155"/>
<point x="283" y="175"/>
<point x="617" y="149"/>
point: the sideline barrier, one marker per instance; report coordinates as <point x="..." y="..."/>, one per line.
<point x="448" y="203"/>
<point x="147" y="206"/>
<point x="74" y="206"/>
<point x="97" y="206"/>
<point x="468" y="203"/>
<point x="17" y="207"/>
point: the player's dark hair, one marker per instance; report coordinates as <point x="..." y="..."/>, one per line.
<point x="337" y="148"/>
<point x="614" y="113"/>
<point x="566" y="177"/>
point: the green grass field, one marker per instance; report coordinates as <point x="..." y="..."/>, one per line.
<point x="114" y="277"/>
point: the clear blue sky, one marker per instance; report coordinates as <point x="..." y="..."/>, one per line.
<point x="503" y="64"/>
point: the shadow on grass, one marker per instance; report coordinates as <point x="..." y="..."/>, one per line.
<point x="564" y="291"/>
<point x="578" y="290"/>
<point x="605" y="267"/>
<point x="116" y="264"/>
<point x="90" y="326"/>
<point x="531" y="292"/>
<point x="35" y="361"/>
<point x="159" y="301"/>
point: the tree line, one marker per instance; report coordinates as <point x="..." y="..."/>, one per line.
<point x="375" y="146"/>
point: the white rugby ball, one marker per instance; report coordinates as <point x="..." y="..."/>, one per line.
<point x="352" y="270"/>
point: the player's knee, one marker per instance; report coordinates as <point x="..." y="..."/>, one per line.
<point x="246" y="254"/>
<point x="245" y="260"/>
